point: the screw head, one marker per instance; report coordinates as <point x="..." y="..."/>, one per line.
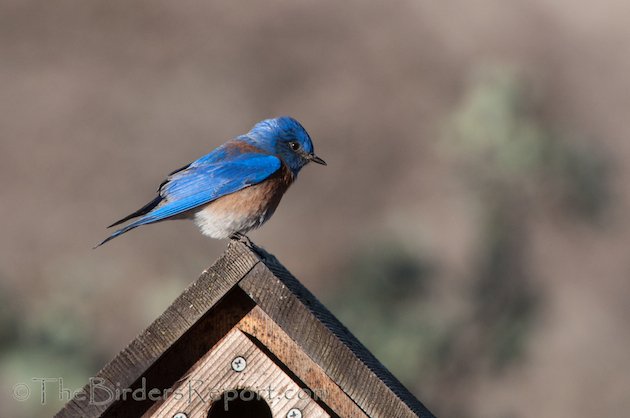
<point x="180" y="415"/>
<point x="294" y="413"/>
<point x="239" y="363"/>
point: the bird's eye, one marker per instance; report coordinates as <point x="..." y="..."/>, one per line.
<point x="294" y="145"/>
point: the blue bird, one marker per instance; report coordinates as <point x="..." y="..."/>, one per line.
<point x="235" y="188"/>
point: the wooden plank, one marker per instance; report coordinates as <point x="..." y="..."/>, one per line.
<point x="290" y="326"/>
<point x="260" y="327"/>
<point x="328" y="343"/>
<point x="128" y="366"/>
<point x="183" y="354"/>
<point x="213" y="375"/>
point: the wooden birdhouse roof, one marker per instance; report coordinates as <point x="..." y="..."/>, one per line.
<point x="245" y="324"/>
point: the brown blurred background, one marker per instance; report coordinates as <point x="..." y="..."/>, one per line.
<point x="471" y="228"/>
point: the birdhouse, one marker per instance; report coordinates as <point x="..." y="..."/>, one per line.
<point x="246" y="339"/>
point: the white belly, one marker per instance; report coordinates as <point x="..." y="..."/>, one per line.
<point x="218" y="223"/>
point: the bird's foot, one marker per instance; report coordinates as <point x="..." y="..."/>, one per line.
<point x="242" y="238"/>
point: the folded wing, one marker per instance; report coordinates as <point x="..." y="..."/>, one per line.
<point x="202" y="182"/>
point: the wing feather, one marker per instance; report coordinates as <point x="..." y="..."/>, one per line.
<point x="203" y="181"/>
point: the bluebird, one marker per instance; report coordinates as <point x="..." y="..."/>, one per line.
<point x="236" y="187"/>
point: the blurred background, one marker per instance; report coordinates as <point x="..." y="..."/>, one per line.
<point x="472" y="226"/>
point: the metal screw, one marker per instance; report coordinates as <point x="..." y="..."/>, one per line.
<point x="238" y="364"/>
<point x="180" y="415"/>
<point x="294" y="413"/>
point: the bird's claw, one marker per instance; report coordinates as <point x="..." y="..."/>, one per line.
<point x="242" y="238"/>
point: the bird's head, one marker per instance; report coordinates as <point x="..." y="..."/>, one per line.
<point x="286" y="138"/>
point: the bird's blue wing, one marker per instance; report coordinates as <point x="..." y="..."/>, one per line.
<point x="203" y="181"/>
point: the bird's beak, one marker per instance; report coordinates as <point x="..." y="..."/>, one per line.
<point x="314" y="158"/>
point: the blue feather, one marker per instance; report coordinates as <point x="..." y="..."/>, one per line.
<point x="243" y="161"/>
<point x="205" y="180"/>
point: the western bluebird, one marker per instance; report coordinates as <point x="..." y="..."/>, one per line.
<point x="236" y="187"/>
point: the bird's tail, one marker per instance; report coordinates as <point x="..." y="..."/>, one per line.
<point x="142" y="221"/>
<point x="142" y="211"/>
<point x="119" y="232"/>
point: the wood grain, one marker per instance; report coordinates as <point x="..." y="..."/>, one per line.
<point x="133" y="361"/>
<point x="260" y="327"/>
<point x="213" y="375"/>
<point x="247" y="302"/>
<point x="327" y="342"/>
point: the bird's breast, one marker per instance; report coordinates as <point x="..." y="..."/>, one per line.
<point x="245" y="209"/>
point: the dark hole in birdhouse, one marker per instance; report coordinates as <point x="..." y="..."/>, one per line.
<point x="240" y="404"/>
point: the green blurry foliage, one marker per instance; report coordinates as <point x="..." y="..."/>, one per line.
<point x="500" y="136"/>
<point x="494" y="130"/>
<point x="55" y="343"/>
<point x="55" y="337"/>
<point x="514" y="165"/>
<point x="380" y="298"/>
<point x="8" y="320"/>
<point x="582" y="177"/>
<point x="511" y="160"/>
<point x="505" y="298"/>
